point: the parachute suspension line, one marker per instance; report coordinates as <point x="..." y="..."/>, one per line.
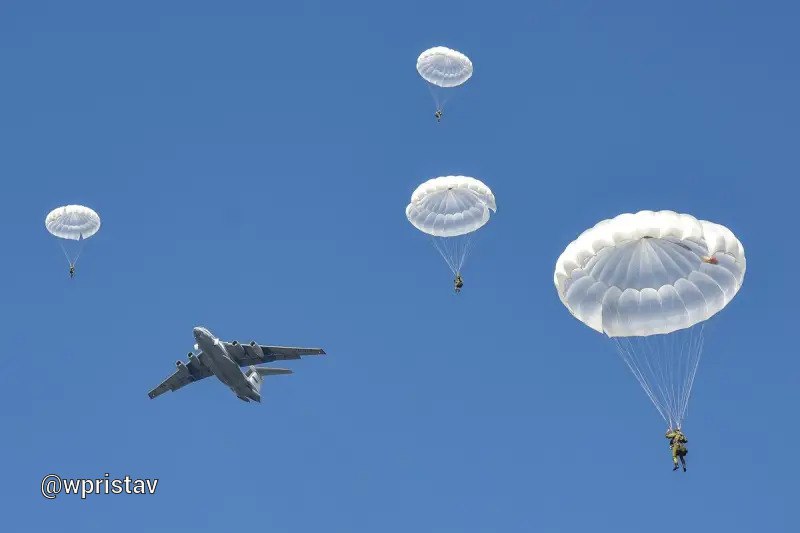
<point x="80" y="249"/>
<point x="70" y="260"/>
<point x="695" y="352"/>
<point x="61" y="243"/>
<point x="440" y="248"/>
<point x="665" y="366"/>
<point x="626" y="353"/>
<point x="462" y="251"/>
<point x="439" y="95"/>
<point x="454" y="250"/>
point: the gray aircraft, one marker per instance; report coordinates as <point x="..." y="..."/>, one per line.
<point x="224" y="359"/>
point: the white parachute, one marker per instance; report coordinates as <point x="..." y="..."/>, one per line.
<point x="649" y="281"/>
<point x="443" y="68"/>
<point x="450" y="209"/>
<point x="72" y="224"/>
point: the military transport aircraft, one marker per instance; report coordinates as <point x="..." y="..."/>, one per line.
<point x="224" y="359"/>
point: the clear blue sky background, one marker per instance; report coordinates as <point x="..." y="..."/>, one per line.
<point x="251" y="163"/>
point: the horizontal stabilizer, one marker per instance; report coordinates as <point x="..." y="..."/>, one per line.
<point x="264" y="371"/>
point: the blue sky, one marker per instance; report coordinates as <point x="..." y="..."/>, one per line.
<point x="251" y="164"/>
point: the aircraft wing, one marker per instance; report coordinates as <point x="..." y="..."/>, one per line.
<point x="253" y="354"/>
<point x="187" y="373"/>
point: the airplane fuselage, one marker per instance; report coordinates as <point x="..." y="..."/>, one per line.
<point x="216" y="358"/>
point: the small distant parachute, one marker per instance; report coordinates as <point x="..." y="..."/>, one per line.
<point x="450" y="209"/>
<point x="649" y="281"/>
<point x="443" y="68"/>
<point x="72" y="224"/>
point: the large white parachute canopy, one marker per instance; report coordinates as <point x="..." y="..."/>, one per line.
<point x="649" y="273"/>
<point x="443" y="68"/>
<point x="649" y="280"/>
<point x="450" y="209"/>
<point x="72" y="223"/>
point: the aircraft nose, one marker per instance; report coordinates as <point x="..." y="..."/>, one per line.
<point x="198" y="332"/>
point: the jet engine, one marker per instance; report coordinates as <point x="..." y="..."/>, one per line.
<point x="256" y="350"/>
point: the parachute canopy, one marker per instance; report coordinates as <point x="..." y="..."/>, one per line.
<point x="450" y="206"/>
<point x="72" y="222"/>
<point x="444" y="67"/>
<point x="649" y="273"/>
